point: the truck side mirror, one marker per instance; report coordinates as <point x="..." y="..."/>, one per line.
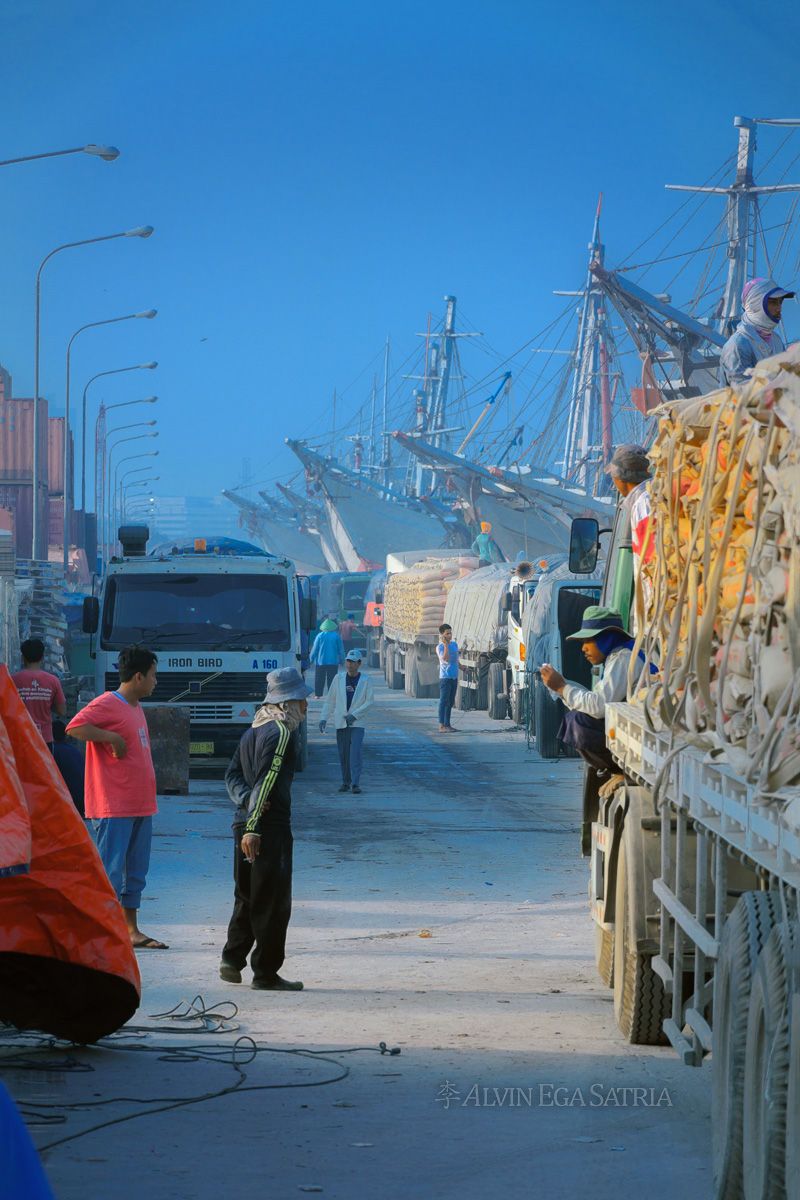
<point x="584" y="545"/>
<point x="91" y="614"/>
<point x="308" y="614"/>
<point x="507" y="602"/>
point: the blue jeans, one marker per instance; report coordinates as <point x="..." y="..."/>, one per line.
<point x="350" y="742"/>
<point x="447" y="698"/>
<point x="124" y="845"/>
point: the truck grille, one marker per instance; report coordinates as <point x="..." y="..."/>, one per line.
<point x="232" y="686"/>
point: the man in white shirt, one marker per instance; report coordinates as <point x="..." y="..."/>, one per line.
<point x="350" y="697"/>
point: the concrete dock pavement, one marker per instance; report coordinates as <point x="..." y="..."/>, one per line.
<point x="468" y="837"/>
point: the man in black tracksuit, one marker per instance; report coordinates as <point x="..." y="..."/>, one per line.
<point x="259" y="781"/>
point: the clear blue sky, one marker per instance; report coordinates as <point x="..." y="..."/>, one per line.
<point x="319" y="174"/>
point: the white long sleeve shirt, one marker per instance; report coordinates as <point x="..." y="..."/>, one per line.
<point x="612" y="686"/>
<point x="335" y="705"/>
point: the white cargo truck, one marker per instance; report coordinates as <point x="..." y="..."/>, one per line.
<point x="219" y="613"/>
<point x="695" y="860"/>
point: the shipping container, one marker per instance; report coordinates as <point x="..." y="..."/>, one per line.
<point x="16" y="440"/>
<point x="18" y="499"/>
<point x="55" y="474"/>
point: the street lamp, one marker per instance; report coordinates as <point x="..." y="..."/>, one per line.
<point x="134" y="483"/>
<point x="100" y="478"/>
<point x="150" y="366"/>
<point x="148" y="313"/>
<point x="107" y="153"/>
<point x="109" y="495"/>
<point x="128" y="458"/>
<point x="142" y="231"/>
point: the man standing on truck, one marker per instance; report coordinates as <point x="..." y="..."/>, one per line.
<point x="629" y="468"/>
<point x="121" y="783"/>
<point x="39" y="691"/>
<point x="756" y="335"/>
<point x="350" y="698"/>
<point x="447" y="651"/>
<point x="606" y="642"/>
<point x="485" y="546"/>
<point x="327" y="655"/>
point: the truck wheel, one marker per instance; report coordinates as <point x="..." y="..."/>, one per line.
<point x="518" y="706"/>
<point x="382" y="655"/>
<point x="640" y="1002"/>
<point x="604" y="954"/>
<point x="388" y="669"/>
<point x="482" y="691"/>
<point x="301" y="760"/>
<point x="498" y="703"/>
<point x="766" y="1072"/>
<point x="793" y="1094"/>
<point x="547" y="718"/>
<point x="395" y="679"/>
<point x="746" y="931"/>
<point x="412" y="675"/>
<point x="465" y="698"/>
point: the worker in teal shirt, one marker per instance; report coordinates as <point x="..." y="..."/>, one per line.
<point x="327" y="655"/>
<point x="484" y="546"/>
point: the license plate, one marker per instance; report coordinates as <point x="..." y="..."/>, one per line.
<point x="201" y="747"/>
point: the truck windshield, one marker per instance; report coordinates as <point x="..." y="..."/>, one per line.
<point x="203" y="611"/>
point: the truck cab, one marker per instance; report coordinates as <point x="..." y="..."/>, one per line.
<point x="219" y="613"/>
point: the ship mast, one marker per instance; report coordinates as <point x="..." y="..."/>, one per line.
<point x="589" y="435"/>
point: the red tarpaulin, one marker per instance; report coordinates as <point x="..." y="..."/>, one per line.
<point x="67" y="965"/>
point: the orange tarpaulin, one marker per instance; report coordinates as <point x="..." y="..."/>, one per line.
<point x="67" y="965"/>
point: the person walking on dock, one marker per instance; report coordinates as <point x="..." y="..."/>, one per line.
<point x="259" y="782"/>
<point x="327" y="655"/>
<point x="447" y="651"/>
<point x="40" y="692"/>
<point x="120" y="791"/>
<point x="350" y="698"/>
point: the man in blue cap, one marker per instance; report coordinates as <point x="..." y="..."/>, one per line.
<point x="756" y="335"/>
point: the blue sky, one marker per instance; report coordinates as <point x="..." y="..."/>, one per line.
<point x="320" y="174"/>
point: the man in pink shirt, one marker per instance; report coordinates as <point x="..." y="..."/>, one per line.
<point x="39" y="691"/>
<point x="121" y="782"/>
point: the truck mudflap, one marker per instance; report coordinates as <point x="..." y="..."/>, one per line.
<point x="631" y="810"/>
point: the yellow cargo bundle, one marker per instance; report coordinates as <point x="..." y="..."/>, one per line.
<point x="414" y="600"/>
<point x="720" y="597"/>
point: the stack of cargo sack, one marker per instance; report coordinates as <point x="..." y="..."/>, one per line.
<point x="718" y="604"/>
<point x="414" y="600"/>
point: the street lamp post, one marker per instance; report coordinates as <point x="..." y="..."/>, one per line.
<point x="128" y="458"/>
<point x="100" y="452"/>
<point x="148" y="313"/>
<point x="151" y="366"/>
<point x="134" y="483"/>
<point x="107" y="153"/>
<point x="143" y="231"/>
<point x="108" y="494"/>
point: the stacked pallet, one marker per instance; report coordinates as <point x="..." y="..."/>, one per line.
<point x="414" y="600"/>
<point x="41" y="587"/>
<point x="721" y="593"/>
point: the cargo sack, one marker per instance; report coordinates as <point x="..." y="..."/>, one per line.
<point x="67" y="965"/>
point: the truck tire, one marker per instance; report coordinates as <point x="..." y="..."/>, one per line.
<point x="792" y="1174"/>
<point x="766" y="1072"/>
<point x="498" y="701"/>
<point x="465" y="698"/>
<point x="640" y="1002"/>
<point x="373" y="651"/>
<point x="518" y="706"/>
<point x="388" y="667"/>
<point x="604" y="954"/>
<point x="746" y="931"/>
<point x="482" y="690"/>
<point x="395" y="680"/>
<point x="547" y="718"/>
<point x="382" y="655"/>
<point x="301" y="760"/>
<point x="412" y="683"/>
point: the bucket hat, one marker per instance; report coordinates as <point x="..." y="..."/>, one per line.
<point x="597" y="619"/>
<point x="629" y="463"/>
<point x="286" y="684"/>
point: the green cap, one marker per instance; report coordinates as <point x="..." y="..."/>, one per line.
<point x="597" y="619"/>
